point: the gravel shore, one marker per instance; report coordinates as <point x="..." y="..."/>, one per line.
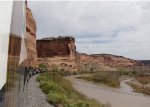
<point x="34" y="97"/>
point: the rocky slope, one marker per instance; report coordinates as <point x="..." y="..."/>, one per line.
<point x="109" y="60"/>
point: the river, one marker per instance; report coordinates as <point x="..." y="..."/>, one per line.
<point x="124" y="97"/>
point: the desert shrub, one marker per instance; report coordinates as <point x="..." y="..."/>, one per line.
<point x="129" y="72"/>
<point x="76" y="103"/>
<point x="50" y="86"/>
<point x="41" y="78"/>
<point x="144" y="79"/>
<point x="122" y="71"/>
<point x="139" y="89"/>
<point x="59" y="71"/>
<point x="106" y="78"/>
<point x="45" y="87"/>
<point x="57" y="97"/>
<point x="42" y="66"/>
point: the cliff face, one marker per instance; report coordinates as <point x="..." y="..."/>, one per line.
<point x="60" y="51"/>
<point x="61" y="46"/>
<point x="31" y="38"/>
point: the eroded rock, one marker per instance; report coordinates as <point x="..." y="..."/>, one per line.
<point x="31" y="38"/>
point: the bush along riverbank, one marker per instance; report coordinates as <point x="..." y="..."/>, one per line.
<point x="140" y="89"/>
<point x="106" y="78"/>
<point x="142" y="85"/>
<point x="61" y="93"/>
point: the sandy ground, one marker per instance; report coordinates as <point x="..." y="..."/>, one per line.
<point x="117" y="98"/>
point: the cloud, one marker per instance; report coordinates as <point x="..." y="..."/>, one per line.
<point x="120" y="28"/>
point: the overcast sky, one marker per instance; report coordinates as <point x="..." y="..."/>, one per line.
<point x="120" y="28"/>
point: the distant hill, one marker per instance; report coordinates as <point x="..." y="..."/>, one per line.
<point x="146" y="62"/>
<point x="109" y="60"/>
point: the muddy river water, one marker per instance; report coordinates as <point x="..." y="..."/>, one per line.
<point x="123" y="97"/>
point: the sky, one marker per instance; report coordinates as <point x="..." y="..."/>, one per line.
<point x="112" y="27"/>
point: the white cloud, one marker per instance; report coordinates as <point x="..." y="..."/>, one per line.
<point x="99" y="27"/>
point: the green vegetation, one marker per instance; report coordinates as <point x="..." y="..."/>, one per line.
<point x="42" y="66"/>
<point x="107" y="78"/>
<point x="111" y="78"/>
<point x="129" y="72"/>
<point x="60" y="92"/>
<point x="141" y="75"/>
<point x="144" y="80"/>
<point x="56" y="70"/>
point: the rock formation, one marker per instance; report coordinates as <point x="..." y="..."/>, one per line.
<point x="31" y="38"/>
<point x="61" y="46"/>
<point x="62" y="51"/>
<point x="22" y="49"/>
<point x="109" y="60"/>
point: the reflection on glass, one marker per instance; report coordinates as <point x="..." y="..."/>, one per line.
<point x="14" y="51"/>
<point x="14" y="92"/>
<point x="5" y="19"/>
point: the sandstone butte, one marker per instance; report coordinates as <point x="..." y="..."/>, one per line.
<point x="60" y="51"/>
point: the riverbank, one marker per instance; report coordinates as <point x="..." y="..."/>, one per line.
<point x="61" y="93"/>
<point x="107" y="78"/>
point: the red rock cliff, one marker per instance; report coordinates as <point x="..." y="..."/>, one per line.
<point x="31" y="38"/>
<point x="61" y="46"/>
